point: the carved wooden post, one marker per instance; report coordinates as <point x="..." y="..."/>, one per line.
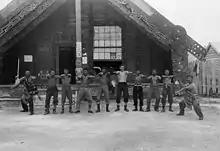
<point x="78" y="38"/>
<point x="87" y="36"/>
<point x="1" y="65"/>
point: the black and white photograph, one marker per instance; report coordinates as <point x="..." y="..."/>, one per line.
<point x="109" y="75"/>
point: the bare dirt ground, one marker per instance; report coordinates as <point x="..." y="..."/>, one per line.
<point x="133" y="131"/>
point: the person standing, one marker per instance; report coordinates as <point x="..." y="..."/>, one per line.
<point x="167" y="90"/>
<point x="153" y="91"/>
<point x="52" y="90"/>
<point x="122" y="87"/>
<point x="24" y="103"/>
<point x="66" y="90"/>
<point x="190" y="98"/>
<point x="138" y="91"/>
<point x="103" y="78"/>
<point x="30" y="89"/>
<point x="85" y="91"/>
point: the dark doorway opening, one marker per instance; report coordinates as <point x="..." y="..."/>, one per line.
<point x="67" y="58"/>
<point x="9" y="72"/>
<point x="115" y="65"/>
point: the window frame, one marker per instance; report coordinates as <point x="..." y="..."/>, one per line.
<point x="113" y="50"/>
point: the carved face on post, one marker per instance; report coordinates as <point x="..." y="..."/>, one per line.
<point x="27" y="73"/>
<point x="167" y="72"/>
<point x="52" y="73"/>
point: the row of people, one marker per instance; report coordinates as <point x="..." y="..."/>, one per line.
<point x="103" y="78"/>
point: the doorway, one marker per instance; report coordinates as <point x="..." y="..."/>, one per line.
<point x="10" y="67"/>
<point x="67" y="58"/>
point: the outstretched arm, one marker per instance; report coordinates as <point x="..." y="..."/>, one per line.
<point x="18" y="82"/>
<point x="149" y="77"/>
<point x="159" y="77"/>
<point x="116" y="72"/>
<point x="91" y="76"/>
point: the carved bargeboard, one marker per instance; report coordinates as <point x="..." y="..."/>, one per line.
<point x="35" y="18"/>
<point x="181" y="43"/>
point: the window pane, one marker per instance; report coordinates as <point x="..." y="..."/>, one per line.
<point x="113" y="50"/>
<point x="118" y="56"/>
<point x="105" y="36"/>
<point x="112" y="30"/>
<point x="101" y="43"/>
<point x="118" y="29"/>
<point x="96" y="29"/>
<point x="101" y="36"/>
<point x="112" y="56"/>
<point x="96" y="36"/>
<point x="101" y="29"/>
<point x="101" y="55"/>
<point x="102" y="50"/>
<point x="118" y="36"/>
<point x="95" y="50"/>
<point x="107" y="29"/>
<point x="95" y="56"/>
<point x="107" y="49"/>
<point x="107" y="43"/>
<point x="118" y="43"/>
<point x="96" y="43"/>
<point x="113" y="43"/>
<point x="112" y="36"/>
<point x="107" y="56"/>
<point x="118" y="50"/>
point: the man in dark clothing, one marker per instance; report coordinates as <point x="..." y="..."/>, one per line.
<point x="153" y="91"/>
<point x="122" y="87"/>
<point x="191" y="98"/>
<point x="30" y="89"/>
<point x="103" y="78"/>
<point x="167" y="90"/>
<point x="66" y="90"/>
<point x="138" y="91"/>
<point x="85" y="91"/>
<point x="51" y="91"/>
<point x="24" y="103"/>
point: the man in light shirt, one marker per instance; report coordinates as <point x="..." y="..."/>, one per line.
<point x="122" y="87"/>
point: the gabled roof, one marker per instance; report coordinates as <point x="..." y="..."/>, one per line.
<point x="14" y="5"/>
<point x="213" y="52"/>
<point x="154" y="24"/>
<point x="215" y="46"/>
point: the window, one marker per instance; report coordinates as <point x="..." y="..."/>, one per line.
<point x="107" y="43"/>
<point x="28" y="58"/>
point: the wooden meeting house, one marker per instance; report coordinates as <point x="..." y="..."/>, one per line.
<point x="43" y="35"/>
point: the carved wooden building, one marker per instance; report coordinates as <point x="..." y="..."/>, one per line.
<point x="58" y="34"/>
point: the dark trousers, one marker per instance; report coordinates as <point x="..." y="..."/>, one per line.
<point x="24" y="103"/>
<point x="167" y="92"/>
<point x="51" y="92"/>
<point x="138" y="94"/>
<point x="196" y="107"/>
<point x="67" y="93"/>
<point x="122" y="87"/>
<point x="153" y="93"/>
<point x="28" y="99"/>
